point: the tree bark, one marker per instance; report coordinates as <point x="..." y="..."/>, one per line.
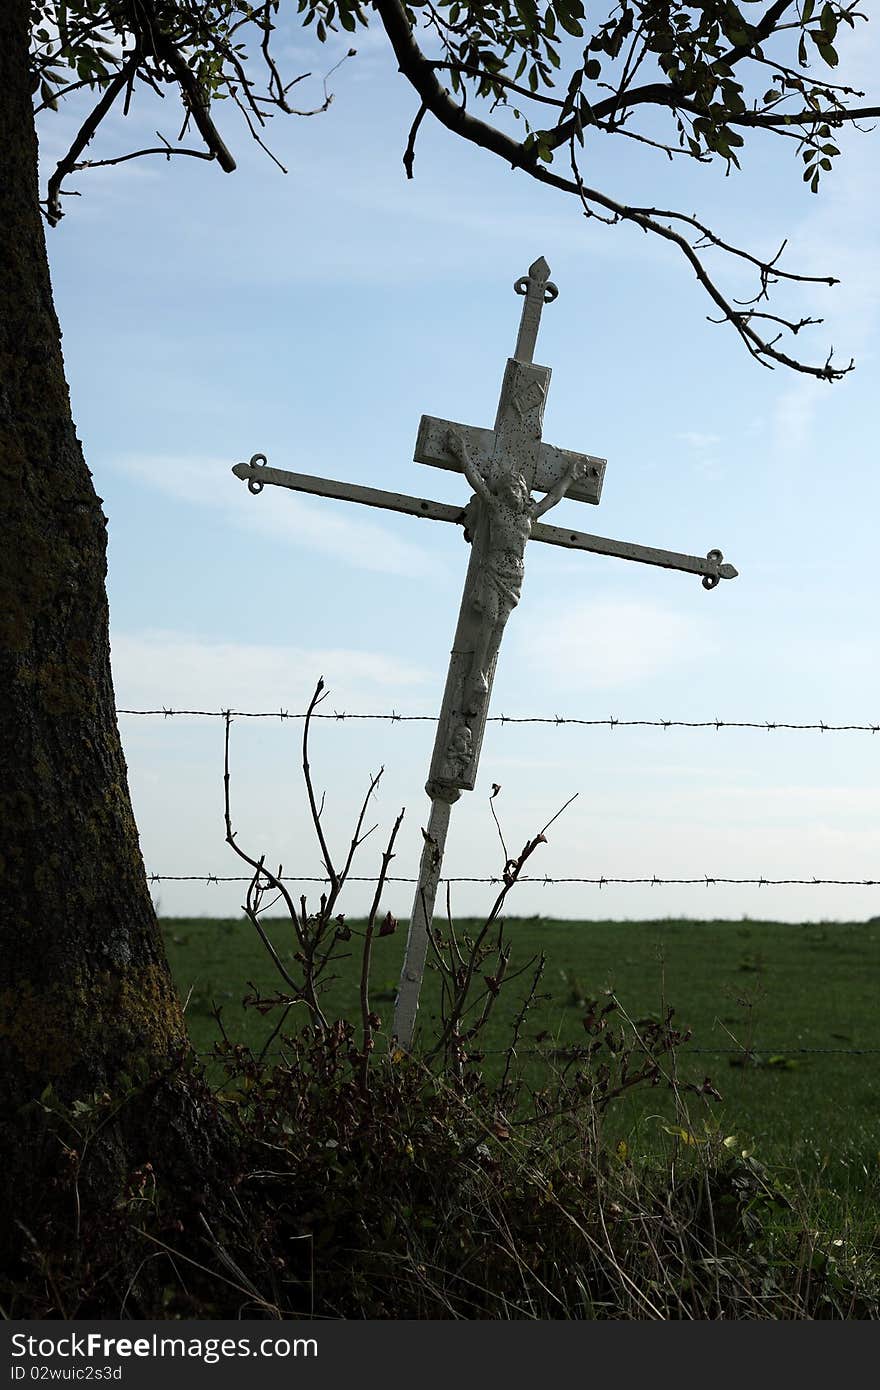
<point x="87" y="1004"/>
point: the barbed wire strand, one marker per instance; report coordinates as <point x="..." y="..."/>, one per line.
<point x="561" y="1051"/>
<point x="705" y="880"/>
<point x="612" y="722"/>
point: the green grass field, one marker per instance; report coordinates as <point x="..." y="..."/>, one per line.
<point x="774" y="986"/>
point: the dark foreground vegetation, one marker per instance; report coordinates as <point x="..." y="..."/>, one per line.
<point x="782" y="1015"/>
<point x="556" y="1148"/>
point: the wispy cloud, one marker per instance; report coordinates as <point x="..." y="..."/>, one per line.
<point x="207" y="482"/>
<point x="609" y="642"/>
<point x="704" y="448"/>
<point x="802" y="801"/>
<point x="178" y="670"/>
<point x="793" y="417"/>
<point x="698" y="440"/>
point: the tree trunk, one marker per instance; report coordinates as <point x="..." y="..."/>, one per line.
<point x="87" y="1005"/>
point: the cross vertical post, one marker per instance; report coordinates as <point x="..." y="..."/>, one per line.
<point x="499" y="521"/>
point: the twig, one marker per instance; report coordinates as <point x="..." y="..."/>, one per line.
<point x="511" y="872"/>
<point x="409" y="153"/>
<point x="492" y="795"/>
<point x="357" y="839"/>
<point x="366" y="1014"/>
<point x="510" y="1051"/>
<point x="166" y="149"/>
<point x="306" y="991"/>
<point x="316" y="699"/>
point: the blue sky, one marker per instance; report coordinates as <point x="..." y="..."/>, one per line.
<point x="314" y="316"/>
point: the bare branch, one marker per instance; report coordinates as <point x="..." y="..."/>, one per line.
<point x="367" y="1020"/>
<point x="310" y="791"/>
<point x="464" y="978"/>
<point x="230" y="833"/>
<point x="165" y="149"/>
<point x="495" y="790"/>
<point x="356" y="840"/>
<point x="510" y="1051"/>
<point x="564" y="807"/>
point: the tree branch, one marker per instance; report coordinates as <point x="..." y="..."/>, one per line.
<point x="195" y="98"/>
<point x="657" y="94"/>
<point x="82" y="138"/>
<point x="470" y="70"/>
<point x="165" y="148"/>
<point x="670" y="96"/>
<point x="419" y="71"/>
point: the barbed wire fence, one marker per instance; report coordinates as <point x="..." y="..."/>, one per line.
<point x="611" y="722"/>
<point x="392" y="717"/>
<point x="752" y="1053"/>
<point x="705" y="880"/>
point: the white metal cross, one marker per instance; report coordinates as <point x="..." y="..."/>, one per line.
<point x="503" y="466"/>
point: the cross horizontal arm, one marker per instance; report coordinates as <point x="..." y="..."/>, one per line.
<point x="710" y="567"/>
<point x="258" y="474"/>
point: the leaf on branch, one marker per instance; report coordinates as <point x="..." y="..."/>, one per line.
<point x="828" y="22"/>
<point x="828" y="53"/>
<point x="47" y="96"/>
<point x="570" y="25"/>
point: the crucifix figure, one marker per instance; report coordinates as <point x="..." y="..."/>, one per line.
<point x="503" y="466"/>
<point x="506" y="518"/>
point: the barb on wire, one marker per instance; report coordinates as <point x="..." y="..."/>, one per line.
<point x="612" y="722"/>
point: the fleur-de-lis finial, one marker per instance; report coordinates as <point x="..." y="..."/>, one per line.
<point x="539" y="290"/>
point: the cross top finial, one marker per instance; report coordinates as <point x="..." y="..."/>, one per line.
<point x="538" y="289"/>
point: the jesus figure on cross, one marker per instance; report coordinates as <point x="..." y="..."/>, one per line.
<point x="508" y="513"/>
